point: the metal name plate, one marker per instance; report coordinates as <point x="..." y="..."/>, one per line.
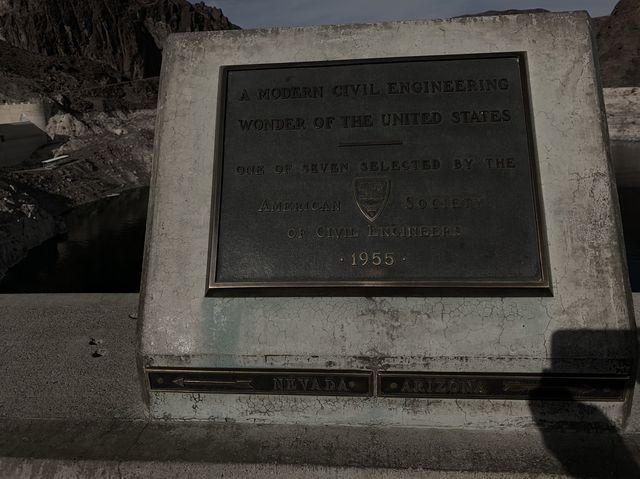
<point x="503" y="386"/>
<point x="391" y="384"/>
<point x="389" y="173"/>
<point x="314" y="383"/>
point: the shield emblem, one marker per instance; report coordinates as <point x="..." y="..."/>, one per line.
<point x="371" y="196"/>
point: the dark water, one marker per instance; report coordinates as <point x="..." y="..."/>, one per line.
<point x="626" y="157"/>
<point x="630" y="212"/>
<point x="101" y="252"/>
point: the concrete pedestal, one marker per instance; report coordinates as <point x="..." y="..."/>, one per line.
<point x="65" y="412"/>
<point x="583" y="327"/>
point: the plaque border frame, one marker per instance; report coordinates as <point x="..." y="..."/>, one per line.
<point x="539" y="288"/>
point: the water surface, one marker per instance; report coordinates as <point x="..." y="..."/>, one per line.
<point x="100" y="253"/>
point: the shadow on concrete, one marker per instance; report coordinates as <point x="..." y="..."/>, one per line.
<point x="609" y="456"/>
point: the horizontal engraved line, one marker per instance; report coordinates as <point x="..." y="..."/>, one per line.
<point x="370" y="143"/>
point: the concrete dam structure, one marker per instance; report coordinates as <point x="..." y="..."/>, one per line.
<point x="37" y="113"/>
<point x="23" y="129"/>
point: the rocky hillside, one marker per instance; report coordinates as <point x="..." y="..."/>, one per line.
<point x="74" y="84"/>
<point x="95" y="60"/>
<point x="127" y="35"/>
<point x="512" y="11"/>
<point x="25" y="75"/>
<point x="618" y="38"/>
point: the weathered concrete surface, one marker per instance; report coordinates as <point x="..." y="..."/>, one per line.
<point x="164" y="444"/>
<point x="585" y="327"/>
<point x="67" y="414"/>
<point x="21" y="469"/>
<point x="48" y="367"/>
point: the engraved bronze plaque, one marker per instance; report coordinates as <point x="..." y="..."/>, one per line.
<point x="503" y="386"/>
<point x="385" y="175"/>
<point x="390" y="384"/>
<point x="257" y="381"/>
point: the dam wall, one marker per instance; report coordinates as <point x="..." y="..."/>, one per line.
<point x="37" y="113"/>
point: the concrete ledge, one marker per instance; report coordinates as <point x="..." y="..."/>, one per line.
<point x="18" y="469"/>
<point x="65" y="413"/>
<point x="583" y="453"/>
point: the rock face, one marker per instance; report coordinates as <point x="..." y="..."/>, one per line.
<point x="127" y="35"/>
<point x="513" y="11"/>
<point x="87" y="58"/>
<point x="618" y="38"/>
<point x="71" y="83"/>
<point x="25" y="75"/>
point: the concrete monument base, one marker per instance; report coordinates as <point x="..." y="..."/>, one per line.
<point x="580" y="331"/>
<point x="65" y="412"/>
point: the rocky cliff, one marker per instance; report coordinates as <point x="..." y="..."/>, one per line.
<point x="95" y="61"/>
<point x="127" y="35"/>
<point x="618" y="39"/>
<point x="72" y="83"/>
<point x="512" y="11"/>
<point x="25" y="76"/>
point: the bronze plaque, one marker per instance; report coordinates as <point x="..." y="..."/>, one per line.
<point x="503" y="386"/>
<point x="390" y="384"/>
<point x="257" y="381"/>
<point x="388" y="175"/>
